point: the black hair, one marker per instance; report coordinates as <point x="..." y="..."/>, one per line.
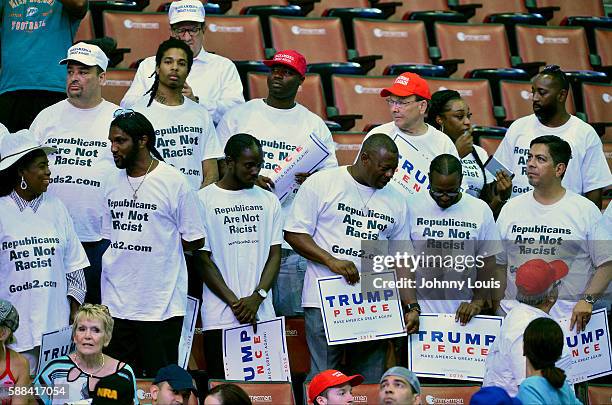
<point x="231" y="394"/>
<point x="439" y="100"/>
<point x="557" y="74"/>
<point x="9" y="177"/>
<point x="445" y="165"/>
<point x="239" y="142"/>
<point x="170" y="43"/>
<point x="543" y="346"/>
<point x="378" y="141"/>
<point x="559" y="149"/>
<point x="136" y="126"/>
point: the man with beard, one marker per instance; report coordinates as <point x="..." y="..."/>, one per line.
<point x="242" y="250"/>
<point x="587" y="172"/>
<point x="152" y="216"/>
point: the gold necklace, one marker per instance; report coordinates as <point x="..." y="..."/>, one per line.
<point x="83" y="370"/>
<point x="134" y="196"/>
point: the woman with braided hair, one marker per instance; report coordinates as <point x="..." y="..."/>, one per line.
<point x="449" y="113"/>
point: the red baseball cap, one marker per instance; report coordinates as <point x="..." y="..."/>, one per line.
<point x="330" y="378"/>
<point x="406" y="85"/>
<point x="291" y="58"/>
<point x="536" y="276"/>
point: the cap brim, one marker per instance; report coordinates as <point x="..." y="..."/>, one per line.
<point x="8" y="162"/>
<point x="186" y="18"/>
<point x="270" y="63"/>
<point x="395" y="91"/>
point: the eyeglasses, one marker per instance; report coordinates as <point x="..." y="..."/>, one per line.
<point x="449" y="194"/>
<point x="124" y="111"/>
<point x="191" y="30"/>
<point x="399" y="103"/>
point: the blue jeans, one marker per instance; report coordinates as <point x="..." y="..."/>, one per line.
<point x="365" y="358"/>
<point x="94" y="252"/>
<point x="287" y="291"/>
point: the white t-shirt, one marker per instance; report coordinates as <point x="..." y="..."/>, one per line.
<point x="473" y="179"/>
<point x="415" y="155"/>
<point x="505" y="365"/>
<point x="470" y="226"/>
<point x="184" y="136"/>
<point x="213" y="78"/>
<point x="37" y="250"/>
<point x="144" y="275"/>
<point x="241" y="226"/>
<point x="340" y="213"/>
<point x="560" y="231"/>
<point x="83" y="162"/>
<point x="587" y="169"/>
<point x="280" y="132"/>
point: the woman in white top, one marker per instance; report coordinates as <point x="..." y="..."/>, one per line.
<point x="449" y="113"/>
<point x="41" y="258"/>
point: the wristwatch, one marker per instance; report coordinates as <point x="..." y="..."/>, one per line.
<point x="262" y="293"/>
<point x="413" y="307"/>
<point x="589" y="299"/>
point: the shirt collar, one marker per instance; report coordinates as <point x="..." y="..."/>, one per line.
<point x="23" y="204"/>
<point x="201" y="55"/>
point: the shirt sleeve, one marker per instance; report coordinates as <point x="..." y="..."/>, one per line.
<point x="77" y="288"/>
<point x="517" y="360"/>
<point x="305" y="210"/>
<point x="504" y="151"/>
<point x="74" y="254"/>
<point x="502" y="256"/>
<point x="189" y="215"/>
<point x="231" y="94"/>
<point x="595" y="169"/>
<point x="36" y="128"/>
<point x="211" y="146"/>
<point x="489" y="242"/>
<point x="139" y="86"/>
<point x="326" y="137"/>
<point x="598" y="241"/>
<point x="224" y="130"/>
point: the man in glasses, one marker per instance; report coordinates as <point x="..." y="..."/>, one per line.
<point x="538" y="282"/>
<point x="459" y="229"/>
<point x="588" y="171"/>
<point x="418" y="143"/>
<point x="78" y="128"/>
<point x="553" y="223"/>
<point x="213" y="81"/>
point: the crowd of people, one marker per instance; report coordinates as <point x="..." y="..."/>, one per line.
<point x="110" y="215"/>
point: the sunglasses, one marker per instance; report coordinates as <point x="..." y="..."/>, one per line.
<point x="121" y="112"/>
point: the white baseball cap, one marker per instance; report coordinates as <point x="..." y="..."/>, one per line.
<point x="186" y="10"/>
<point x="87" y="54"/>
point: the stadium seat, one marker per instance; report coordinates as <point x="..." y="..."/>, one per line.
<point x="324" y="5"/>
<point x="430" y="18"/>
<point x="603" y="39"/>
<point x="447" y="394"/>
<point x="599" y="394"/>
<point x="489" y="143"/>
<point x="511" y="20"/>
<point x="142" y="390"/>
<point x="563" y="46"/>
<point x="410" y="6"/>
<point x="237" y="6"/>
<point x="517" y="100"/>
<point x="398" y="41"/>
<point x="589" y="23"/>
<point x="476" y="92"/>
<point x="569" y="8"/>
<point x="597" y="105"/>
<point x="361" y="95"/>
<point x="346" y="15"/>
<point x="299" y="355"/>
<point x="141" y="32"/>
<point x="238" y="38"/>
<point x="364" y="394"/>
<point x="265" y="12"/>
<point x="86" y="29"/>
<point x="310" y="94"/>
<point x="276" y="392"/>
<point x="118" y="81"/>
<point x="495" y="6"/>
<point x="347" y="146"/>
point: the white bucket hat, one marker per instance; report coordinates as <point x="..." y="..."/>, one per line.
<point x="16" y="145"/>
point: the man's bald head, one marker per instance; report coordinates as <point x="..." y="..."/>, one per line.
<point x="377" y="142"/>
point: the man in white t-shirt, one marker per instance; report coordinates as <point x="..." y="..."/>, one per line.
<point x="587" y="172"/>
<point x="213" y="82"/>
<point x="152" y="215"/>
<point x="449" y="224"/>
<point x="551" y="222"/>
<point x="537" y="282"/>
<point x="418" y="143"/>
<point x="330" y="219"/>
<point x="242" y="250"/>
<point x="78" y="128"/>
<point x="184" y="132"/>
<point x="282" y="125"/>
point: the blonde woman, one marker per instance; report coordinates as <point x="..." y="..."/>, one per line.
<point x="14" y="368"/>
<point x="80" y="371"/>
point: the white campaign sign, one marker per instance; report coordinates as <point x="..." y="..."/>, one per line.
<point x="412" y="171"/>
<point x="189" y="324"/>
<point x="54" y="345"/>
<point x="442" y="348"/>
<point x="305" y="159"/>
<point x="351" y="314"/>
<point x="261" y="356"/>
<point x="589" y="350"/>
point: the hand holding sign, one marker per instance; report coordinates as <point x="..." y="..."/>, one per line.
<point x="265" y="182"/>
<point x="345" y="268"/>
